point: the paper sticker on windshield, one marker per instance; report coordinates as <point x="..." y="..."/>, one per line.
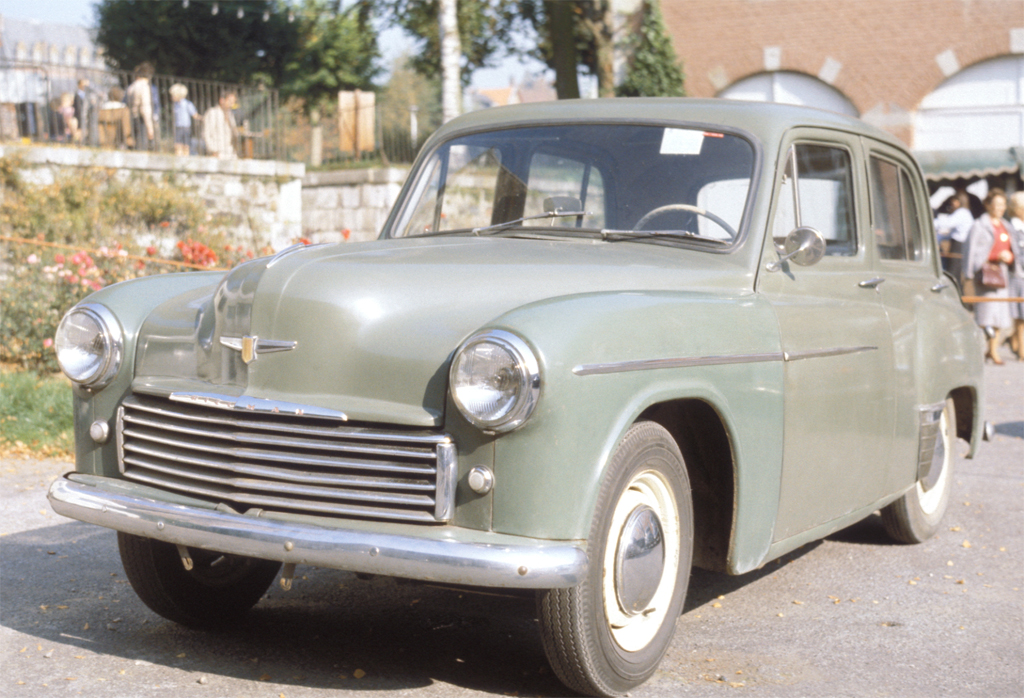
<point x="679" y="141"/>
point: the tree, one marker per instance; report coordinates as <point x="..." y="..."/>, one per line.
<point x="309" y="49"/>
<point x="336" y="50"/>
<point x="451" y="82"/>
<point x="654" y="69"/>
<point x="485" y="28"/>
<point x="573" y="34"/>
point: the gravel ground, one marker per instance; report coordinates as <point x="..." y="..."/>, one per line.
<point x="853" y="615"/>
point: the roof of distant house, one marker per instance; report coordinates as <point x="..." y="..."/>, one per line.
<point x="19" y="37"/>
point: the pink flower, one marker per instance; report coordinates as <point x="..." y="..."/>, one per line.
<point x="47" y="343"/>
<point x="32" y="259"/>
<point x="58" y="258"/>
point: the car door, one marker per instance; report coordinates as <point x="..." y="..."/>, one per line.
<point x="912" y="295"/>
<point x="839" y="401"/>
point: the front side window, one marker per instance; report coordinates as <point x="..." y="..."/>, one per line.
<point x="894" y="215"/>
<point x="620" y="181"/>
<point x="817" y="192"/>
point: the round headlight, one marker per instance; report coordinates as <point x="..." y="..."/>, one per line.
<point x="89" y="345"/>
<point x="495" y="380"/>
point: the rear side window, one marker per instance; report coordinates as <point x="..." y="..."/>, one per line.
<point x="894" y="214"/>
<point x="817" y="191"/>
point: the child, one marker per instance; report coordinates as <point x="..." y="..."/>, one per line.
<point x="184" y="112"/>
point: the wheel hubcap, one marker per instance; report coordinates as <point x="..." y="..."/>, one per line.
<point x="639" y="560"/>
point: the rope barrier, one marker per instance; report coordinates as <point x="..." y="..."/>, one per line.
<point x="99" y="253"/>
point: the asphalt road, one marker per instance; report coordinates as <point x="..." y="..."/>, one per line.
<point x="854" y="615"/>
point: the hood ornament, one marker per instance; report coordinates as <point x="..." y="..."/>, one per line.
<point x="252" y="346"/>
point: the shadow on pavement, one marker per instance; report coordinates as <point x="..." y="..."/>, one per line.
<point x="64" y="584"/>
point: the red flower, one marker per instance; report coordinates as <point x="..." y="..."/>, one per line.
<point x="165" y="224"/>
<point x="151" y="250"/>
<point x="345" y="233"/>
<point x="58" y="258"/>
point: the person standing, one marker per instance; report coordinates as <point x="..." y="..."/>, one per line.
<point x="956" y="226"/>
<point x="140" y="104"/>
<point x="991" y="254"/>
<point x="81" y="106"/>
<point x="1015" y="287"/>
<point x="184" y="111"/>
<point x="220" y="129"/>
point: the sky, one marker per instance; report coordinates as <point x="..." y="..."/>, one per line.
<point x="393" y="43"/>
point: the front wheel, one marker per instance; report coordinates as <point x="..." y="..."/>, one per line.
<point x="608" y="634"/>
<point x="915" y="517"/>
<point x="217" y="591"/>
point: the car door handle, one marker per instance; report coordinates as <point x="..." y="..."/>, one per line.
<point x="940" y="287"/>
<point x="872" y="283"/>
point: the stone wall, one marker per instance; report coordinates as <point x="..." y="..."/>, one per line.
<point x="349" y="205"/>
<point x="260" y="199"/>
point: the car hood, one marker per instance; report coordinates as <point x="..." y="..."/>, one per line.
<point x="369" y="330"/>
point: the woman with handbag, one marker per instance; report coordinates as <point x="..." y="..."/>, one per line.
<point x="991" y="254"/>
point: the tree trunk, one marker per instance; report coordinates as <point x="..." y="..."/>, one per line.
<point x="563" y="43"/>
<point x="604" y="37"/>
<point x="451" y="53"/>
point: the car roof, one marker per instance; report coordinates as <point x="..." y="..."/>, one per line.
<point x="765" y="120"/>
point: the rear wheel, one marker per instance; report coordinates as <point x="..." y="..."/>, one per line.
<point x="217" y="591"/>
<point x="608" y="634"/>
<point x="915" y="517"/>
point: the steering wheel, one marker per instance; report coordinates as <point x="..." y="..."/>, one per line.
<point x="684" y="207"/>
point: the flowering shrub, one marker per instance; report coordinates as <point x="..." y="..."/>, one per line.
<point x="82" y="232"/>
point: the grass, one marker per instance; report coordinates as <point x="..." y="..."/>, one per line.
<point x="36" y="417"/>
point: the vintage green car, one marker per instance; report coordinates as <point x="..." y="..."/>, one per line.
<point x="597" y="342"/>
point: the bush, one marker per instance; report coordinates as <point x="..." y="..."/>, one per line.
<point x="86" y="231"/>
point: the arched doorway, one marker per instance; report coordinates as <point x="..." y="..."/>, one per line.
<point x="979" y="108"/>
<point x="790" y="88"/>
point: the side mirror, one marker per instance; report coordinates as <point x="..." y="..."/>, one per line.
<point x="804" y="245"/>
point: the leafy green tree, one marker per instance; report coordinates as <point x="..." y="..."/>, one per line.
<point x="654" y="69"/>
<point x="309" y="49"/>
<point x="337" y="50"/>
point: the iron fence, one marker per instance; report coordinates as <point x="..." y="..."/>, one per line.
<point x="31" y="95"/>
<point x="34" y="98"/>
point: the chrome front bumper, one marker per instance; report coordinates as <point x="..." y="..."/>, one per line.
<point x="438" y="554"/>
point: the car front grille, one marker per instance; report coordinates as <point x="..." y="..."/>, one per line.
<point x="253" y="462"/>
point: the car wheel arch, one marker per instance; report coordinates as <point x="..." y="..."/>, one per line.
<point x="701" y="433"/>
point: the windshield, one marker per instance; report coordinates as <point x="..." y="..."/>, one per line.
<point x="624" y="181"/>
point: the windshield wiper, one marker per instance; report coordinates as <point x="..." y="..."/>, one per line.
<point x="627" y="235"/>
<point x="546" y="214"/>
<point x="498" y="227"/>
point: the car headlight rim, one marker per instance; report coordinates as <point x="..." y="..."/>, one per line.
<point x="101" y="371"/>
<point x="525" y="371"/>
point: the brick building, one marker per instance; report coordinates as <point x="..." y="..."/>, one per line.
<point x="944" y="76"/>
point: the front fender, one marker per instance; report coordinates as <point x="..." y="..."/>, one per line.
<point x="130" y="302"/>
<point x="548" y="472"/>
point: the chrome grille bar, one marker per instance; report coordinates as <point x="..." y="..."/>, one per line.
<point x="287" y="465"/>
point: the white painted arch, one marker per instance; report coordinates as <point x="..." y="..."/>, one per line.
<point x="979" y="108"/>
<point x="786" y="87"/>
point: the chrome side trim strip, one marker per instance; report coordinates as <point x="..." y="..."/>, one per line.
<point x="652" y="364"/>
<point x="257" y="404"/>
<point x="483" y="559"/>
<point x="823" y="353"/>
<point x="686" y="362"/>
